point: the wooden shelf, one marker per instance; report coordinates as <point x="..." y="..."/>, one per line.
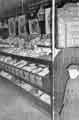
<point x="46" y="60"/>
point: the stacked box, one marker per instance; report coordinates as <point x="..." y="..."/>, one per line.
<point x="44" y="77"/>
<point x="26" y="75"/>
<point x="27" y="71"/>
<point x="33" y="75"/>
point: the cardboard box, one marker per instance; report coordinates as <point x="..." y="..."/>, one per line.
<point x="20" y="73"/>
<point x="16" y="71"/>
<point x="39" y="81"/>
<point x="33" y="74"/>
<point x="44" y="79"/>
<point x="22" y="64"/>
<point x="26" y="75"/>
<point x="32" y="78"/>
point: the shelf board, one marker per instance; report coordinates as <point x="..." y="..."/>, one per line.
<point x="45" y="46"/>
<point x="46" y="60"/>
<point x="37" y="102"/>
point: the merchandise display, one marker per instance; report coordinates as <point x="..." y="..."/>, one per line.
<point x="33" y="77"/>
<point x="38" y="75"/>
<point x="48" y="19"/>
<point x="11" y="23"/>
<point x="34" y="26"/>
<point x="28" y="88"/>
<point x="37" y="52"/>
<point x="21" y="27"/>
<point x="26" y="53"/>
<point x="45" y="98"/>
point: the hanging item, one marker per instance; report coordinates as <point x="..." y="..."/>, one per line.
<point x="22" y="25"/>
<point x="41" y="19"/>
<point x="16" y="22"/>
<point x="48" y="20"/>
<point x="11" y="24"/>
<point x="34" y="26"/>
<point x="41" y="14"/>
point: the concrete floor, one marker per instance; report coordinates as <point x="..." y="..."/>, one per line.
<point x="14" y="104"/>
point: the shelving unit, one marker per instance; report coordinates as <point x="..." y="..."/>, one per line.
<point x="47" y="88"/>
<point x="29" y="8"/>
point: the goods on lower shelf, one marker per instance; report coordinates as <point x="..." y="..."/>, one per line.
<point x="36" y="52"/>
<point x="17" y="66"/>
<point x="36" y="74"/>
<point x="44" y="42"/>
<point x="34" y="91"/>
<point x="45" y="98"/>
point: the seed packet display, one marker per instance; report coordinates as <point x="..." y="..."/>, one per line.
<point x="48" y="20"/>
<point x="34" y="26"/>
<point x="22" y="26"/>
<point x="11" y="24"/>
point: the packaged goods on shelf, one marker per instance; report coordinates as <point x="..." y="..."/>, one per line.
<point x="39" y="81"/>
<point x="41" y="65"/>
<point x="38" y="69"/>
<point x="17" y="82"/>
<point x="2" y="65"/>
<point x="32" y="64"/>
<point x="26" y="75"/>
<point x="44" y="42"/>
<point x="26" y="87"/>
<point x="37" y="52"/>
<point x="16" y="71"/>
<point x="13" y="62"/>
<point x="9" y="76"/>
<point x="17" y="63"/>
<point x="8" y="59"/>
<point x="44" y="72"/>
<point x="10" y="50"/>
<point x="2" y="58"/>
<point x="45" y="98"/>
<point x="21" y="64"/>
<point x="32" y="78"/>
<point x="3" y="73"/>
<point x="29" y="68"/>
<point x="8" y="68"/>
<point x="43" y="79"/>
<point x="35" y="92"/>
<point x="6" y="75"/>
<point x="21" y="74"/>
